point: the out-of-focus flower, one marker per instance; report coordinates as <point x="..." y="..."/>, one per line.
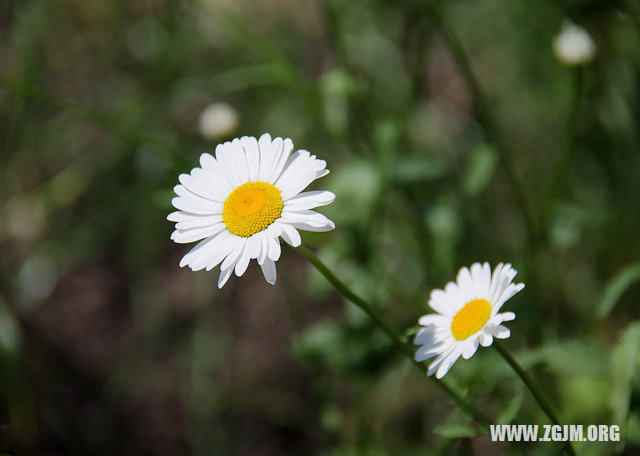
<point x="239" y="203"/>
<point x="573" y="45"/>
<point x="467" y="316"/>
<point x="218" y="120"/>
<point x="25" y="217"/>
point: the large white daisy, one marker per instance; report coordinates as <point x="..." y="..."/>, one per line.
<point x="467" y="315"/>
<point x="238" y="204"/>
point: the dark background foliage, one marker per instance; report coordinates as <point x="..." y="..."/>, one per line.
<point x="453" y="135"/>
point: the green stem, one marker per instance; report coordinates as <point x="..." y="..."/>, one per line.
<point x="383" y="325"/>
<point x="484" y="115"/>
<point x="111" y="125"/>
<point x="533" y="388"/>
<point x="564" y="163"/>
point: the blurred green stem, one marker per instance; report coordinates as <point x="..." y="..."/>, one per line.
<point x="535" y="390"/>
<point x="564" y="163"/>
<point x="484" y="116"/>
<point x="384" y="326"/>
<point x="109" y="124"/>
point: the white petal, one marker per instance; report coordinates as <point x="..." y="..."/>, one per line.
<point x="299" y="172"/>
<point x="480" y="284"/>
<point x="215" y="174"/>
<point x="506" y="316"/>
<point x="232" y="258"/>
<point x="194" y="206"/>
<point x="309" y="200"/>
<point x="291" y="167"/>
<point x="291" y="235"/>
<point x="486" y="280"/>
<point x="197" y="221"/>
<point x="307" y="220"/>
<point x="281" y="150"/>
<point x="274" y="248"/>
<point x="196" y="234"/>
<point x="197" y="200"/>
<point x="228" y="161"/>
<point x="243" y="262"/>
<point x="465" y="284"/>
<point x="254" y="246"/>
<point x="264" y="247"/>
<point x="198" y="257"/>
<point x="269" y="271"/>
<point x="511" y="290"/>
<point x="496" y="277"/>
<point x="221" y="252"/>
<point x="252" y="154"/>
<point x="449" y="361"/>
<point x="455" y="296"/>
<point x="312" y="218"/>
<point x="485" y="339"/>
<point x="426" y="352"/>
<point x="179" y="216"/>
<point x="433" y="319"/>
<point x="200" y="187"/>
<point x="470" y="347"/>
<point x="266" y="158"/>
<point x="432" y="335"/>
<point x="435" y="364"/>
<point x="240" y="160"/>
<point x="500" y="332"/>
<point x="224" y="276"/>
<point x="439" y="301"/>
<point x="307" y="227"/>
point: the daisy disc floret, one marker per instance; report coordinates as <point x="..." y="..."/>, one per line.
<point x="466" y="315"/>
<point x="240" y="202"/>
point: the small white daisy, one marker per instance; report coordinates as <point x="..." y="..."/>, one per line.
<point x="238" y="204"/>
<point x="467" y="315"/>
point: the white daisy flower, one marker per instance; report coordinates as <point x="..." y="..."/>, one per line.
<point x="467" y="315"/>
<point x="238" y="204"/>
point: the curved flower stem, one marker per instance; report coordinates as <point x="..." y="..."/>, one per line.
<point x="384" y="326"/>
<point x="533" y="388"/>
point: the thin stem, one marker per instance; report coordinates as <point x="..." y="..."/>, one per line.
<point x="533" y="388"/>
<point x="106" y="123"/>
<point x="484" y="115"/>
<point x="384" y="326"/>
<point x="564" y="163"/>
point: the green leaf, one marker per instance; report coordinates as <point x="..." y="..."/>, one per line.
<point x="509" y="412"/>
<point x="480" y="167"/>
<point x="624" y="365"/>
<point x="615" y="288"/>
<point x="568" y="358"/>
<point x="409" y="333"/>
<point x="455" y="431"/>
<point x="419" y="169"/>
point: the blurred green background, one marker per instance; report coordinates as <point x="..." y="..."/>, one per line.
<point x="453" y="135"/>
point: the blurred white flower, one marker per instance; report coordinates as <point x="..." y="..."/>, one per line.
<point x="239" y="203"/>
<point x="467" y="316"/>
<point x="217" y="120"/>
<point x="573" y="45"/>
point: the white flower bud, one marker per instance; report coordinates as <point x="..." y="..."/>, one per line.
<point x="573" y="45"/>
<point x="217" y="120"/>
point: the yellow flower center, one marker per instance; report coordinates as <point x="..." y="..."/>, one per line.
<point x="252" y="207"/>
<point x="470" y="318"/>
